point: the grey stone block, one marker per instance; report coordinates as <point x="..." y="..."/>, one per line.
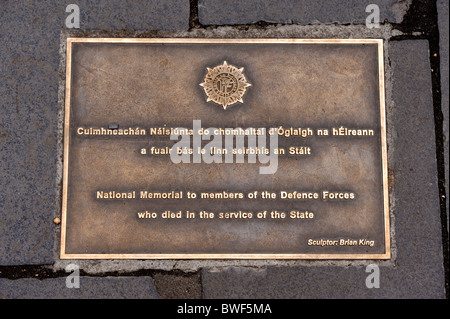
<point x="170" y="15"/>
<point x="219" y="12"/>
<point x="30" y="41"/>
<point x="418" y="270"/>
<point x="89" y="288"/>
<point x="173" y="286"/>
<point x="28" y="101"/>
<point x="442" y="8"/>
<point x="325" y="282"/>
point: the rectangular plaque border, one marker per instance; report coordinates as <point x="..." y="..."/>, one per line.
<point x="380" y="45"/>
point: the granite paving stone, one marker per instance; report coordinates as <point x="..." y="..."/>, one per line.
<point x="89" y="288"/>
<point x="297" y="11"/>
<point x="443" y="21"/>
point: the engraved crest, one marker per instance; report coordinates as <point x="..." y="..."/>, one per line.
<point x="225" y="84"/>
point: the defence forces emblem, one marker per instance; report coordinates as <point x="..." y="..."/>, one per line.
<point x="225" y="85"/>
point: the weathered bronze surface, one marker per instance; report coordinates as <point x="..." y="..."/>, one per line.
<point x="327" y="199"/>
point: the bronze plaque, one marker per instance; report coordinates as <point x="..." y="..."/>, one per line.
<point x="225" y="148"/>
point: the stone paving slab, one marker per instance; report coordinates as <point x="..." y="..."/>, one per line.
<point x="89" y="288"/>
<point x="30" y="40"/>
<point x="418" y="263"/>
<point x="297" y="11"/>
<point x="335" y="282"/>
<point x="443" y="20"/>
